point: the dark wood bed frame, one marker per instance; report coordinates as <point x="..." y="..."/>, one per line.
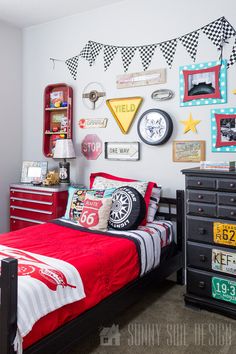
<point x="106" y="311"/>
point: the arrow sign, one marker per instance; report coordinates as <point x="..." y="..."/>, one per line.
<point x="122" y="151"/>
<point x="124" y="110"/>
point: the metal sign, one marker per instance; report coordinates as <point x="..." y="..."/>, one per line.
<point x="91" y="147"/>
<point x="124" y="110"/>
<point x="143" y="78"/>
<point x="92" y="123"/>
<point x="224" y="289"/>
<point x="122" y="151"/>
<point x="223" y="261"/>
<point x="224" y="234"/>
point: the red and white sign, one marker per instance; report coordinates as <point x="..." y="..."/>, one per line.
<point x="91" y="147"/>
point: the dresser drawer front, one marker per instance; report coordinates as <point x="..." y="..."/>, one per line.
<point x="201" y="209"/>
<point x="201" y="196"/>
<point x="199" y="256"/>
<point x="20" y="223"/>
<point x="199" y="283"/>
<point x="201" y="182"/>
<point x="227" y="184"/>
<point x="227" y="212"/>
<point x="31" y="195"/>
<point x="199" y="230"/>
<point x="227" y="199"/>
<point x="31" y="204"/>
<point x="33" y="214"/>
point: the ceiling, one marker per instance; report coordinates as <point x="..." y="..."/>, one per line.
<point x="24" y="13"/>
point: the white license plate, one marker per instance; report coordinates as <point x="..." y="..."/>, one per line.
<point x="223" y="261"/>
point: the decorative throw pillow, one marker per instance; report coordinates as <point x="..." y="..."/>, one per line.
<point x="104" y="180"/>
<point x="128" y="209"/>
<point x="96" y="210"/>
<point x="153" y="204"/>
<point x="75" y="203"/>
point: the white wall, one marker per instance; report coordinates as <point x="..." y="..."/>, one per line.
<point x="11" y="115"/>
<point x="131" y="22"/>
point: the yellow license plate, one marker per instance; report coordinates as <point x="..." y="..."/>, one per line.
<point x="224" y="233"/>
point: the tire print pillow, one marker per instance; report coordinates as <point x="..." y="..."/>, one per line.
<point x="128" y="209"/>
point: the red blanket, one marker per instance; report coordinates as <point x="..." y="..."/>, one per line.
<point x="105" y="263"/>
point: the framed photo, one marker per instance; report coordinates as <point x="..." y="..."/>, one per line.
<point x="188" y="150"/>
<point x="223" y="130"/>
<point x="33" y="171"/>
<point x="203" y="84"/>
<point x="122" y="151"/>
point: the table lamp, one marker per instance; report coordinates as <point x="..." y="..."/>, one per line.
<point x="64" y="149"/>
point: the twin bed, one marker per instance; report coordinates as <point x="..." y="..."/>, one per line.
<point x="115" y="266"/>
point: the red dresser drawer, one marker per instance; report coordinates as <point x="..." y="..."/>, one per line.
<point x="31" y="204"/>
<point x="20" y="223"/>
<point x="30" y="213"/>
<point x="31" y="194"/>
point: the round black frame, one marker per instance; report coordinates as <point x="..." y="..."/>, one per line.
<point x="169" y="127"/>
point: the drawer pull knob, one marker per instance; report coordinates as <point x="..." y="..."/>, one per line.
<point x="201" y="230"/>
<point x="199" y="196"/>
<point x="201" y="284"/>
<point x="232" y="213"/>
<point x="231" y="185"/>
<point x="200" y="210"/>
<point x="199" y="183"/>
<point x="202" y="258"/>
<point x="232" y="200"/>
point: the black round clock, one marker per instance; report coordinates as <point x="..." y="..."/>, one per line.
<point x="155" y="127"/>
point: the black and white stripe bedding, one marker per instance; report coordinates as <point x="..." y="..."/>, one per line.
<point x="149" y="238"/>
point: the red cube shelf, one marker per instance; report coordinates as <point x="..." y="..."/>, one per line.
<point x="58" y="116"/>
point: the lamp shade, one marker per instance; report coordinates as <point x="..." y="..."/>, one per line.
<point x="64" y="149"/>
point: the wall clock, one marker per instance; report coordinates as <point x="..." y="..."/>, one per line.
<point x="155" y="127"/>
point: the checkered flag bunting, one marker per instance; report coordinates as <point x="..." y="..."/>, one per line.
<point x="232" y="59"/>
<point x="127" y="54"/>
<point x="228" y="30"/>
<point x="146" y="53"/>
<point x="86" y="52"/>
<point x="214" y="32"/>
<point x="108" y="55"/>
<point x="190" y="43"/>
<point x="72" y="65"/>
<point x="168" y="50"/>
<point x="95" y="49"/>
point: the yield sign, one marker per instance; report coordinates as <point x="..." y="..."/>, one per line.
<point x="124" y="111"/>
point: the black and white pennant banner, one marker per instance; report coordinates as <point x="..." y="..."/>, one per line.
<point x="190" y="43"/>
<point x="218" y="32"/>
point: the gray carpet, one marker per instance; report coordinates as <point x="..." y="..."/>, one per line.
<point x="160" y="323"/>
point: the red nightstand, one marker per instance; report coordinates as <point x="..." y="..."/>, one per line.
<point x="31" y="205"/>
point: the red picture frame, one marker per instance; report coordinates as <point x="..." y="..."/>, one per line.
<point x="188" y="96"/>
<point x="225" y="130"/>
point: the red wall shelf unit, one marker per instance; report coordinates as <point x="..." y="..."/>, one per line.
<point x="58" y="116"/>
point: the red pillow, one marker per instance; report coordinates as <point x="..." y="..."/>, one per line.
<point x="121" y="179"/>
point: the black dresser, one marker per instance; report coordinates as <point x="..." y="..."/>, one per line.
<point x="211" y="240"/>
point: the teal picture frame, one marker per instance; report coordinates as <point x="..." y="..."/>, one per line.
<point x="204" y="101"/>
<point x="215" y="131"/>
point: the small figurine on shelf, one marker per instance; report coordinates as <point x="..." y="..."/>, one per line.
<point x="51" y="179"/>
<point x="64" y="104"/>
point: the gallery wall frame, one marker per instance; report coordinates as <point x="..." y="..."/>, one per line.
<point x="203" y="83"/>
<point x="223" y="130"/>
<point x="188" y="150"/>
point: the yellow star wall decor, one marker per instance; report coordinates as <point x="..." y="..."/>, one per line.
<point x="190" y="124"/>
<point x="234" y="92"/>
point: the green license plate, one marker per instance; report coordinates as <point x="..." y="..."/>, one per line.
<point x="223" y="289"/>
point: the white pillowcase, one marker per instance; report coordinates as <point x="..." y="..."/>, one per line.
<point x="153" y="204"/>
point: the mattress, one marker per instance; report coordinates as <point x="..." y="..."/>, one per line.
<point x="105" y="261"/>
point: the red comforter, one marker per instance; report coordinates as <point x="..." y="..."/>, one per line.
<point x="105" y="264"/>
